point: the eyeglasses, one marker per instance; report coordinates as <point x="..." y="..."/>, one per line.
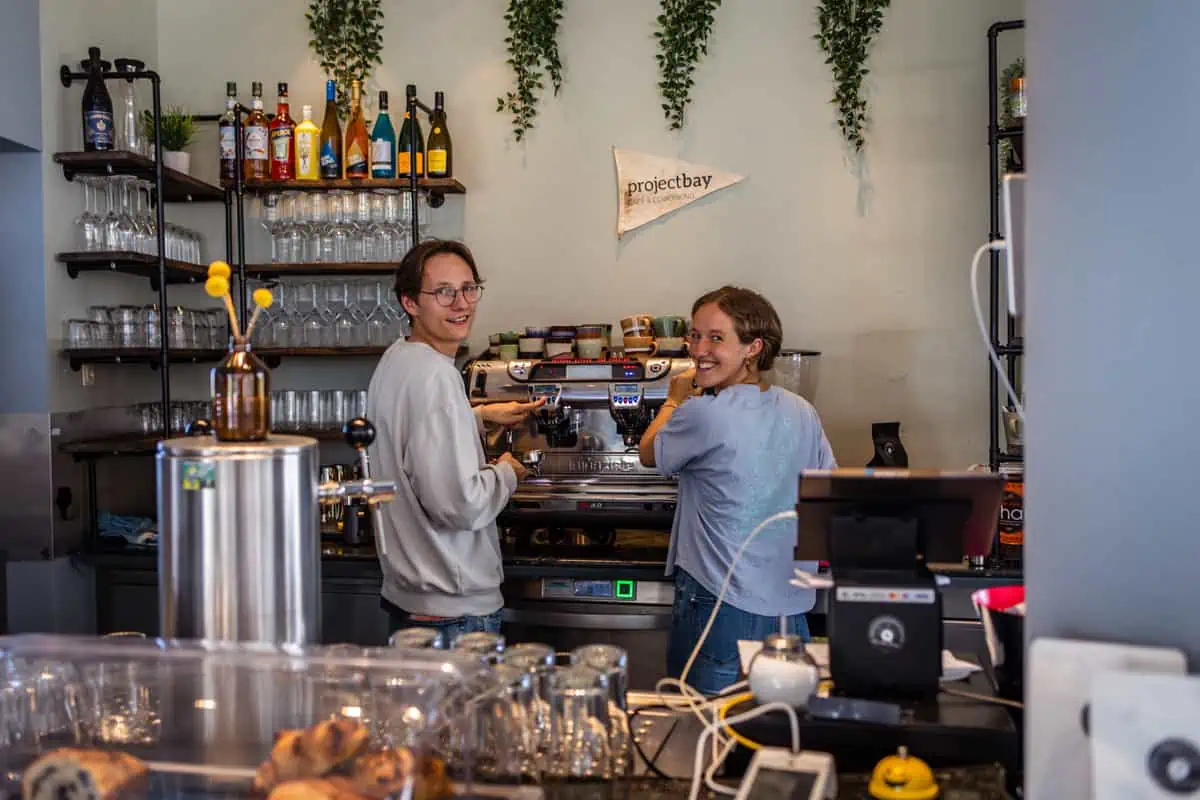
<point x="446" y="295"/>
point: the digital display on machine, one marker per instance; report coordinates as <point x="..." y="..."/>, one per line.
<point x="575" y="371"/>
<point x="593" y="588"/>
<point x="781" y="784"/>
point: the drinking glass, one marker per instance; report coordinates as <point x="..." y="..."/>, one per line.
<point x="90" y="222"/>
<point x="506" y="746"/>
<point x="613" y="663"/>
<point x="123" y="702"/>
<point x="539" y="661"/>
<point x="579" y="727"/>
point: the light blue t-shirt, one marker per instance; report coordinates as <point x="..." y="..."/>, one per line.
<point x="739" y="455"/>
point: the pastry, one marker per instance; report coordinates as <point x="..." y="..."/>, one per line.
<point x="383" y="773"/>
<point x="81" y="774"/>
<point x="312" y="752"/>
<point x="332" y="788"/>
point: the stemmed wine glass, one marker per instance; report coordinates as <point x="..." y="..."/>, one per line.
<point x="90" y="222"/>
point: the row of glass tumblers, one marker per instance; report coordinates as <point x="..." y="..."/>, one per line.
<point x="300" y="410"/>
<point x="135" y="327"/>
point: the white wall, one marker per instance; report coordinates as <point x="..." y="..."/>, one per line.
<point x="884" y="295"/>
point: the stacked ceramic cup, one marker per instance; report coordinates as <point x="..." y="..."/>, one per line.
<point x="639" y="335"/>
<point x="533" y="343"/>
<point x="669" y="335"/>
<point x="591" y="341"/>
<point x="561" y="341"/>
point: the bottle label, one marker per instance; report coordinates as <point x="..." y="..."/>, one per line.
<point x="356" y="158"/>
<point x="381" y="154"/>
<point x="1012" y="514"/>
<point x="329" y="157"/>
<point x="305" y="150"/>
<point x="228" y="143"/>
<point x="437" y="161"/>
<point x="98" y="129"/>
<point x="402" y="162"/>
<point x="281" y="145"/>
<point x="256" y="143"/>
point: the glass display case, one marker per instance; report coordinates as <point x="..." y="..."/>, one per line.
<point x="208" y="718"/>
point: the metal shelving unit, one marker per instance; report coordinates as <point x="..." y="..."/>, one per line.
<point x="173" y="186"/>
<point x="1011" y="347"/>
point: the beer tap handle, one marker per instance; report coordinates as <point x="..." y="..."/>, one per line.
<point x="360" y="434"/>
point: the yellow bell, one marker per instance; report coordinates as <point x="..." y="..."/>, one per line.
<point x="902" y="777"/>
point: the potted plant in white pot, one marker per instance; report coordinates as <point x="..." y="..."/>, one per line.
<point x="177" y="132"/>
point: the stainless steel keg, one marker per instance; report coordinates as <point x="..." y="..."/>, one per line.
<point x="239" y="535"/>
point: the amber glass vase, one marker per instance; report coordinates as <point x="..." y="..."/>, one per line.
<point x="241" y="392"/>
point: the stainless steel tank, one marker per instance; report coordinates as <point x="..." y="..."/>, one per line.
<point x="239" y="538"/>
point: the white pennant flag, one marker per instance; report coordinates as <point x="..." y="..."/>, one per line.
<point x="649" y="187"/>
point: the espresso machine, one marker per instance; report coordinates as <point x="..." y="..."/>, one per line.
<point x="585" y="536"/>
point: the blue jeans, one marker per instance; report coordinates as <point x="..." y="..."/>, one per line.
<point x="717" y="664"/>
<point x="450" y="627"/>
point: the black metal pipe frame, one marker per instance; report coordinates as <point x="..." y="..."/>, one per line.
<point x="68" y="77"/>
<point x="993" y="234"/>
<point x="411" y="105"/>
<point x="239" y="192"/>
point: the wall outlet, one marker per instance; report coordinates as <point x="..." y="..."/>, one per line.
<point x="87" y="375"/>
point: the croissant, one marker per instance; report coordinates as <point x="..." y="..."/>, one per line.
<point x="83" y="774"/>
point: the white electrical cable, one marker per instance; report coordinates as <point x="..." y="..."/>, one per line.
<point x="999" y="244"/>
<point x="710" y="779"/>
<point x="687" y="692"/>
<point x="711" y="728"/>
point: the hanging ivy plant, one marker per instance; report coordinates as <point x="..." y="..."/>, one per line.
<point x="683" y="30"/>
<point x="845" y="31"/>
<point x="532" y="51"/>
<point x="347" y="36"/>
<point x="1013" y="71"/>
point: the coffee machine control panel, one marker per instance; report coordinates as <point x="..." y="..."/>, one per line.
<point x="625" y="396"/>
<point x="550" y="392"/>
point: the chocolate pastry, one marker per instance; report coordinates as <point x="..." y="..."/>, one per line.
<point x="79" y="774"/>
<point x="313" y="752"/>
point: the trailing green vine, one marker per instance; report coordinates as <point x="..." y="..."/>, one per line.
<point x="845" y="31"/>
<point x="1014" y="70"/>
<point x="347" y="37"/>
<point x="683" y="30"/>
<point x="532" y="47"/>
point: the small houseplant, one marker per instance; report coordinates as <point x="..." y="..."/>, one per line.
<point x="177" y="130"/>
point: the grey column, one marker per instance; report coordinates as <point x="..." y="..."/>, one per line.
<point x="1113" y="373"/>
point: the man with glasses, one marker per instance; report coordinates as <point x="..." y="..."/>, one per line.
<point x="442" y="567"/>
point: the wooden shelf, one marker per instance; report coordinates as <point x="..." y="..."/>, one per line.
<point x="321" y="268"/>
<point x="177" y="187"/>
<point x="130" y="263"/>
<point x="138" y="445"/>
<point x="151" y="356"/>
<point x="136" y="355"/>
<point x="432" y="185"/>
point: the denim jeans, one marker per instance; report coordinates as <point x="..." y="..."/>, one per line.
<point x="450" y="627"/>
<point x="717" y="664"/>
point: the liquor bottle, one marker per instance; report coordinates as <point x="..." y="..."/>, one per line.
<point x="308" y="148"/>
<point x="440" y="153"/>
<point x="228" y="136"/>
<point x="408" y="131"/>
<point x="383" y="143"/>
<point x="97" y="106"/>
<point x="283" y="139"/>
<point x="358" y="146"/>
<point x="331" y="136"/>
<point x="256" y="138"/>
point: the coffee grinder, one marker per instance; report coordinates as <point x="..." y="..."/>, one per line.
<point x="880" y="532"/>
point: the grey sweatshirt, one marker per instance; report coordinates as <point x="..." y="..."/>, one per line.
<point x="443" y="551"/>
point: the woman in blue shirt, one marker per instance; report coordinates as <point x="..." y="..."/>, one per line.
<point x="738" y="446"/>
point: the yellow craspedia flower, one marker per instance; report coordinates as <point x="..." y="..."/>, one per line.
<point x="219" y="269"/>
<point x="216" y="286"/>
<point x="263" y="298"/>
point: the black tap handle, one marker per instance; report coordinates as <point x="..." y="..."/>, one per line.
<point x="359" y="433"/>
<point x="199" y="427"/>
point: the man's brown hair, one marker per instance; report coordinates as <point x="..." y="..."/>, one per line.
<point x="753" y="318"/>
<point x="410" y="274"/>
